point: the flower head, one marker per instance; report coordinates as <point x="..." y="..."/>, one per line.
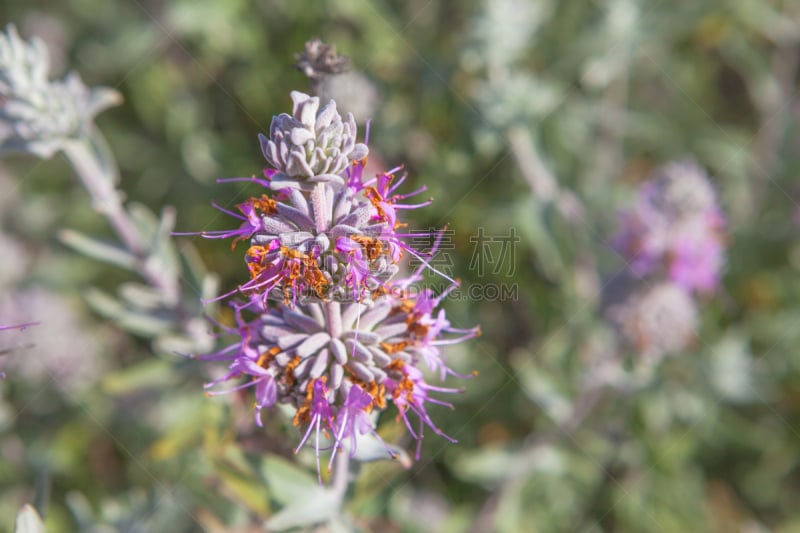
<point x="311" y="145"/>
<point x="338" y="238"/>
<point x="334" y="363"/>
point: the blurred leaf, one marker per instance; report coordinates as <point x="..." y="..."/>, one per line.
<point x="28" y="521"/>
<point x="146" y="222"/>
<point x="96" y="249"/>
<point x="141" y="296"/>
<point x="81" y="509"/>
<point x="731" y="369"/>
<point x="370" y="448"/>
<point x="148" y="374"/>
<point x="136" y="322"/>
<point x="196" y="271"/>
<point x="510" y="509"/>
<point x="317" y="505"/>
<point x="493" y="464"/>
<point x="163" y="247"/>
<point x="531" y="216"/>
<point x="287" y="482"/>
<point x="487" y="465"/>
<point x="766" y="20"/>
<point x="247" y="489"/>
<point x="540" y="385"/>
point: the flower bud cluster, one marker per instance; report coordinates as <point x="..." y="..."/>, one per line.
<point x="323" y="325"/>
<point x="312" y="144"/>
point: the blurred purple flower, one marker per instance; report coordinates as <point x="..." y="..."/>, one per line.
<point x="698" y="258"/>
<point x="66" y="351"/>
<point x="675" y="227"/>
<point x="657" y="321"/>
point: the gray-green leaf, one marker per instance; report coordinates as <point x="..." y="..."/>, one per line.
<point x="318" y="505"/>
<point x="96" y="249"/>
<point x="28" y="521"/>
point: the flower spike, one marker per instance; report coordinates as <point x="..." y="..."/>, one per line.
<point x="322" y="324"/>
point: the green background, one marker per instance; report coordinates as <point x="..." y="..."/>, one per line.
<point x="606" y="91"/>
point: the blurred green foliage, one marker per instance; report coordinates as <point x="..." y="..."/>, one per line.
<point x="598" y="93"/>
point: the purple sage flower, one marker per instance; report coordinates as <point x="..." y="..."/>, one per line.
<point x="321" y="323"/>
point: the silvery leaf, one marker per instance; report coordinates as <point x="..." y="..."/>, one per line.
<point x="144" y="324"/>
<point x="316" y="506"/>
<point x="370" y="448"/>
<point x="38" y="115"/>
<point x="97" y="249"/>
<point x="28" y="521"/>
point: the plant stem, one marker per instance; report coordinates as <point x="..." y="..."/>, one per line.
<point x="341" y="475"/>
<point x="341" y="471"/>
<point x="99" y="175"/>
<point x="94" y="165"/>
